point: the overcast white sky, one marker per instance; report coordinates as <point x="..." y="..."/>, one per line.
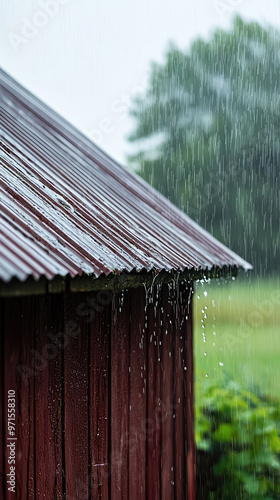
<point x="86" y="58"/>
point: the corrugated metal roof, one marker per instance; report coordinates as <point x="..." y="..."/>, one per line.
<point x="68" y="208"/>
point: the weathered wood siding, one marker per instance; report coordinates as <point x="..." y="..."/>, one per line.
<point x="104" y="411"/>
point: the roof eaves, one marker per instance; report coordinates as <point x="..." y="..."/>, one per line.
<point x="114" y="281"/>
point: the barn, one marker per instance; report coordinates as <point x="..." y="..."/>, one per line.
<point x="96" y="287"/>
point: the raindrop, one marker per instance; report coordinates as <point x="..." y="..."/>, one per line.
<point x="221" y="364"/>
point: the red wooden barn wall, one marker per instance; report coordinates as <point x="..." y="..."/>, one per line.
<point x="105" y="411"/>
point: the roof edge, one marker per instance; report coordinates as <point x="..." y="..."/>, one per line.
<point x="86" y="283"/>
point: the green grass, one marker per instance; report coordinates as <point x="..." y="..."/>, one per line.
<point x="245" y="314"/>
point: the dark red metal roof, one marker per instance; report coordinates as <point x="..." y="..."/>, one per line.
<point x="68" y="208"/>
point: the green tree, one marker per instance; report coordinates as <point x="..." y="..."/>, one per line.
<point x="207" y="135"/>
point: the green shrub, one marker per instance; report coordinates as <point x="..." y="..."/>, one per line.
<point x="238" y="437"/>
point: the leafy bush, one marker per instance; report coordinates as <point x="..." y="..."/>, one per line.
<point x="238" y="438"/>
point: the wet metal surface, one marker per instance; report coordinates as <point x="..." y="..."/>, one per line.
<point x="68" y="208"/>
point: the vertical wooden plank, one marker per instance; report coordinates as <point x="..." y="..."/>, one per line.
<point x="167" y="473"/>
<point x="120" y="339"/>
<point x="154" y="400"/>
<point x="76" y="397"/>
<point x="49" y="342"/>
<point x="190" y="407"/>
<point x="20" y="367"/>
<point x="179" y="322"/>
<point x="137" y="396"/>
<point x="99" y="389"/>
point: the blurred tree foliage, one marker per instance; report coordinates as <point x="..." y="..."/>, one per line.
<point x="207" y="136"/>
<point x="238" y="443"/>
